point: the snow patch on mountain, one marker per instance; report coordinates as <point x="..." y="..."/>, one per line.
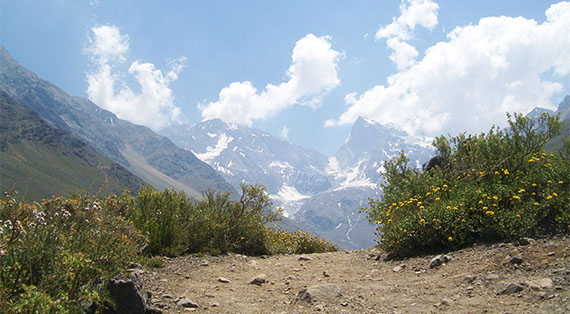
<point x="213" y="152"/>
<point x="348" y="177"/>
<point x="290" y="198"/>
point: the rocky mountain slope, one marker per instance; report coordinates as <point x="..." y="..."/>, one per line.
<point x="40" y="160"/>
<point x="495" y="278"/>
<point x="151" y="157"/>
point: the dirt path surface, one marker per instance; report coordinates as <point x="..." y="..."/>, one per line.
<point x="537" y="274"/>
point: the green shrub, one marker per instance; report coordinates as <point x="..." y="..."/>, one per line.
<point x="488" y="187"/>
<point x="50" y="253"/>
<point x="282" y="242"/>
<point x="174" y="224"/>
<point x="163" y="217"/>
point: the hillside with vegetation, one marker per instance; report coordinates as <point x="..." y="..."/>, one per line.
<point x="149" y="156"/>
<point x="39" y="160"/>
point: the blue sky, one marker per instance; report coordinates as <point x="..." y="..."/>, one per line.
<point x="301" y="69"/>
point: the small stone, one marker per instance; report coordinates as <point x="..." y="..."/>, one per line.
<point x="511" y="288"/>
<point x="446" y="301"/>
<point x="516" y="260"/>
<point x="204" y="263"/>
<point x="551" y="254"/>
<point x="469" y="288"/>
<point x="167" y="296"/>
<point x="185" y="302"/>
<point x="525" y="241"/>
<point x="344" y="304"/>
<point x="439" y="260"/>
<point x="305" y="258"/>
<point x="223" y="280"/>
<point x="540" y="284"/>
<point x="492" y="277"/>
<point x="398" y="268"/>
<point x="469" y="278"/>
<point x="258" y="280"/>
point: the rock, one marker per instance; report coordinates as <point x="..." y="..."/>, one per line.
<point x="446" y="301"/>
<point x="319" y="293"/>
<point x="540" y="284"/>
<point x="398" y="268"/>
<point x="128" y="295"/>
<point x="439" y="260"/>
<point x="469" y="278"/>
<point x="185" y="302"/>
<point x="511" y="288"/>
<point x="258" y="280"/>
<point x="526" y="241"/>
<point x="326" y="274"/>
<point x="516" y="260"/>
<point x="443" y="302"/>
<point x="492" y="277"/>
<point x="551" y="254"/>
<point x="223" y="280"/>
<point x="305" y="258"/>
<point x="204" y="263"/>
<point x="134" y="265"/>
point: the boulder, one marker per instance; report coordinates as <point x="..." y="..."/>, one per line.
<point x="319" y="293"/>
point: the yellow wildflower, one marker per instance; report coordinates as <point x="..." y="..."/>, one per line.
<point x="450" y="239"/>
<point x="490" y="213"/>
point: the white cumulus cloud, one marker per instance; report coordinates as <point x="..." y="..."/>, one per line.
<point x="468" y="82"/>
<point x="152" y="105"/>
<point x="413" y="13"/>
<point x="312" y="73"/>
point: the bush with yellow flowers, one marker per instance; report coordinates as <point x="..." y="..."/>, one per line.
<point x="489" y="187"/>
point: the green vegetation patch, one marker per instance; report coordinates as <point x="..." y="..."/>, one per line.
<point x="53" y="252"/>
<point x="488" y="187"/>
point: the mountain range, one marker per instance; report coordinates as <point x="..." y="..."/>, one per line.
<point x="149" y="156"/>
<point x="319" y="193"/>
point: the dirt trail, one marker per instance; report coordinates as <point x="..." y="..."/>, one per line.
<point x="469" y="283"/>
